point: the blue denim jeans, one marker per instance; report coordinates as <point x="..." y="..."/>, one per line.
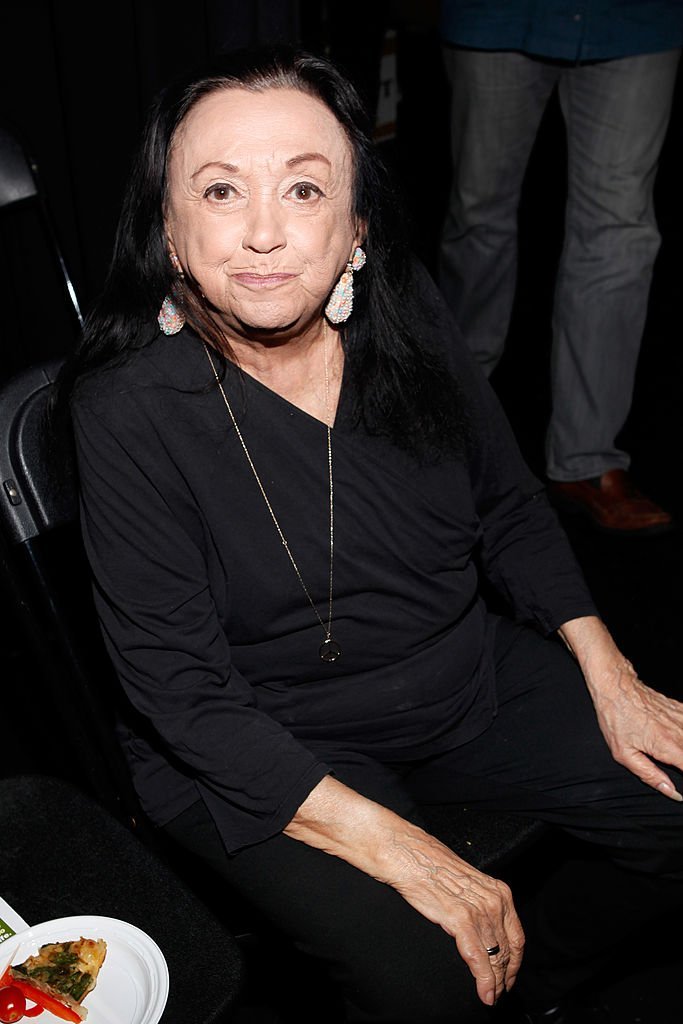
<point x="616" y="115"/>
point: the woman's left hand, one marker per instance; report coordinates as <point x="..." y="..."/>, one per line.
<point x="638" y="723"/>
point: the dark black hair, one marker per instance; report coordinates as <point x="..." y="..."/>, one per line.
<point x="401" y="387"/>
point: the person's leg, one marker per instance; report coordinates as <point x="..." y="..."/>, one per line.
<point x="616" y="113"/>
<point x="545" y="756"/>
<point x="497" y="102"/>
<point x="385" y="962"/>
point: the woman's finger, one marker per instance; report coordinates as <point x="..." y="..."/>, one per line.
<point x="493" y="962"/>
<point x="493" y="974"/>
<point x="515" y="934"/>
<point x="650" y="773"/>
<point x="488" y="971"/>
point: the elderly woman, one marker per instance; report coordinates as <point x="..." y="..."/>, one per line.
<point x="293" y="481"/>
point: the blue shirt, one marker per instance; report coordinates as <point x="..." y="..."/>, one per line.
<point x="564" y="29"/>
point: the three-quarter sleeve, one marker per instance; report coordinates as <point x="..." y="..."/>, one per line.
<point x="156" y="602"/>
<point x="524" y="551"/>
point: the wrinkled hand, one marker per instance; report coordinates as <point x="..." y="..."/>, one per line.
<point x="639" y="724"/>
<point x="475" y="909"/>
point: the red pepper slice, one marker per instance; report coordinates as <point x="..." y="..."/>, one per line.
<point x="6" y="979"/>
<point x="47" y="1002"/>
<point x="33" y="1011"/>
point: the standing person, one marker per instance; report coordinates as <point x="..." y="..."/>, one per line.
<point x="614" y="64"/>
<point x="293" y="475"/>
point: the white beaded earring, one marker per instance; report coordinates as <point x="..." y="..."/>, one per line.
<point x="171" y="318"/>
<point x="340" y="303"/>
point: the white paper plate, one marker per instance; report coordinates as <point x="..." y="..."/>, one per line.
<point x="132" y="986"/>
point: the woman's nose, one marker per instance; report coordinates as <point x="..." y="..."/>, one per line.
<point x="264" y="225"/>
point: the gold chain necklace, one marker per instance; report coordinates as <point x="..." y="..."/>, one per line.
<point x="329" y="649"/>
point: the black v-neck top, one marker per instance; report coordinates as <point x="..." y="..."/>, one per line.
<point x="207" y="624"/>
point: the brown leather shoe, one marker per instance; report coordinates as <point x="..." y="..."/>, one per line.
<point x="612" y="503"/>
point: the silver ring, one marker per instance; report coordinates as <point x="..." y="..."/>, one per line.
<point x="493" y="950"/>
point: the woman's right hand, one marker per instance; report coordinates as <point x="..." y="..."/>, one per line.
<point x="473" y="908"/>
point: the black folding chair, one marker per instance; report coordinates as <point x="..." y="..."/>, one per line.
<point x="74" y="694"/>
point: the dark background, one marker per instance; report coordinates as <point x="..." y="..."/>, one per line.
<point x="75" y="81"/>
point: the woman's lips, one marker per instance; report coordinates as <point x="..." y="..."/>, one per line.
<point x="251" y="280"/>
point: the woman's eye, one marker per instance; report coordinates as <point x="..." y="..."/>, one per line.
<point x="220" y="192"/>
<point x="304" y="191"/>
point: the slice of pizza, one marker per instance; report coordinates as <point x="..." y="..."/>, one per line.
<point x="65" y="971"/>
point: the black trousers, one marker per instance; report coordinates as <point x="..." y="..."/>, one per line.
<point x="543" y="756"/>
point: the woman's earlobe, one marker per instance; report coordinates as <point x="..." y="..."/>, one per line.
<point x="177" y="266"/>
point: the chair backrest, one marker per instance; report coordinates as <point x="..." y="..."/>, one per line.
<point x="37" y="495"/>
<point x="47" y="583"/>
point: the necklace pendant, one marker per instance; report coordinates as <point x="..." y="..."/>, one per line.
<point x="329" y="650"/>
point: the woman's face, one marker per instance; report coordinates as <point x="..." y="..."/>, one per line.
<point x="259" y="209"/>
